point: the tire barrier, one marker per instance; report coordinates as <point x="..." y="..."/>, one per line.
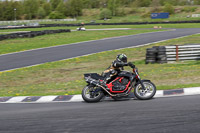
<point x="31" y="34"/>
<point x="128" y="23"/>
<point x="164" y="54"/>
<point x="156" y="54"/>
<point x="151" y="55"/>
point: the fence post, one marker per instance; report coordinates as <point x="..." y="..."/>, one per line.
<point x="177" y="53"/>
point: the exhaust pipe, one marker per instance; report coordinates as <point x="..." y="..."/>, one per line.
<point x="96" y="83"/>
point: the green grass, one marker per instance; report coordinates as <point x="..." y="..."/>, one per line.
<point x="66" y="77"/>
<point x="21" y="44"/>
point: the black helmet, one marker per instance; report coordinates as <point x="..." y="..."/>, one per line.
<point x="122" y="57"/>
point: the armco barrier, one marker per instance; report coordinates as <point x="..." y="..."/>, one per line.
<point x="32" y="34"/>
<point x="164" y="54"/>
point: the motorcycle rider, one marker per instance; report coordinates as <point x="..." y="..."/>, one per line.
<point x="116" y="66"/>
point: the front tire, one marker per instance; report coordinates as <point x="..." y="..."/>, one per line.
<point x="92" y="94"/>
<point x="148" y="93"/>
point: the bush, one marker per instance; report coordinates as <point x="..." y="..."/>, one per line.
<point x="56" y="15"/>
<point x="134" y="10"/>
<point x="168" y="8"/>
<point x="120" y="12"/>
<point x="106" y="13"/>
<point x="189" y="9"/>
<point x="146" y="15"/>
<point x="156" y="9"/>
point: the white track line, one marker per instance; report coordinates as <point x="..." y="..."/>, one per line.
<point x="76" y="98"/>
<point x="46" y="99"/>
<point x="16" y="99"/>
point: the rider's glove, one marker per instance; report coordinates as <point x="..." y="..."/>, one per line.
<point x="131" y="65"/>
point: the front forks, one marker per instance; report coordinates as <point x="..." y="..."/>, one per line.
<point x="140" y="81"/>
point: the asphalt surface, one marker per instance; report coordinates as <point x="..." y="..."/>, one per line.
<point x="159" y="115"/>
<point x="39" y="56"/>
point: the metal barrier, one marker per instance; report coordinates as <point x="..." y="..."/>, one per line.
<point x="33" y="21"/>
<point x="183" y="52"/>
<point x="164" y="54"/>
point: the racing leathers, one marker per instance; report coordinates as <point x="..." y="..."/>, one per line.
<point x="113" y="70"/>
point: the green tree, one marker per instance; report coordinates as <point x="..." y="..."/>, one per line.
<point x="19" y="9"/>
<point x="47" y="7"/>
<point x="87" y="4"/>
<point x="31" y="8"/>
<point x="41" y="2"/>
<point x="1" y="10"/>
<point x="56" y="15"/>
<point x="8" y="10"/>
<point x="75" y="8"/>
<point x="97" y="3"/>
<point x="61" y="8"/>
<point x="113" y="6"/>
<point x="54" y="3"/>
<point x="196" y="2"/>
<point x="67" y="9"/>
<point x="41" y="13"/>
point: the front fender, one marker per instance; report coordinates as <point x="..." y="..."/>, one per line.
<point x="146" y="80"/>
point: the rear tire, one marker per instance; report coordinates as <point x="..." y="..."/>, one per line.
<point x="92" y="94"/>
<point x="148" y="93"/>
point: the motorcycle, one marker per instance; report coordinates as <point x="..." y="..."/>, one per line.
<point x="119" y="87"/>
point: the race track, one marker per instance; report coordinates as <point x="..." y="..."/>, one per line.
<point x="159" y="115"/>
<point x="39" y="56"/>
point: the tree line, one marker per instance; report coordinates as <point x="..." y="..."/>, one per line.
<point x="58" y="9"/>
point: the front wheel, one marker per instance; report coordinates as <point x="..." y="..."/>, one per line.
<point x="92" y="94"/>
<point x="147" y="93"/>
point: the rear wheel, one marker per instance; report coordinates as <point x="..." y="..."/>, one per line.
<point x="92" y="94"/>
<point x="147" y="93"/>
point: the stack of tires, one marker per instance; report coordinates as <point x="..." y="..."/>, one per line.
<point x="161" y="55"/>
<point x="151" y="55"/>
<point x="156" y="54"/>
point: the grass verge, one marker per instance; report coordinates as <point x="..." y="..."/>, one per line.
<point x="22" y="44"/>
<point x="66" y="77"/>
